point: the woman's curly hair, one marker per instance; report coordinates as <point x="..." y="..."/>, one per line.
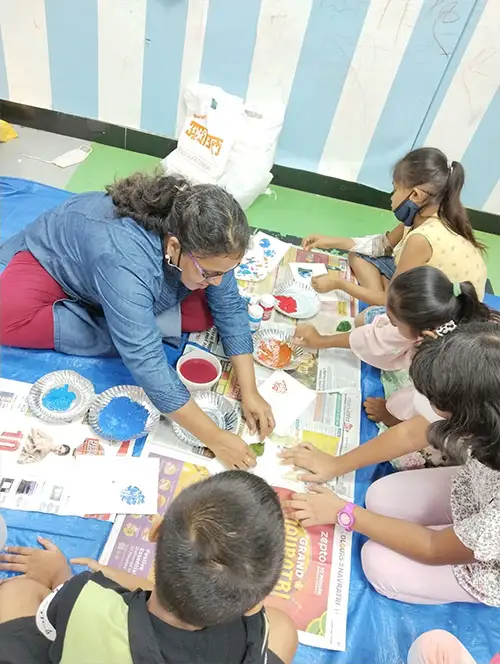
<point x="460" y="375"/>
<point x="204" y="218"/>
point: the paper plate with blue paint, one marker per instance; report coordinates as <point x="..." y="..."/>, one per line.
<point x="61" y="396"/>
<point x="123" y="413"/>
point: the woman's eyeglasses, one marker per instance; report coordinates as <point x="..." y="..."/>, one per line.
<point x="205" y="274"/>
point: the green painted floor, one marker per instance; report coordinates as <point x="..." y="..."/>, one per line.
<point x="285" y="210"/>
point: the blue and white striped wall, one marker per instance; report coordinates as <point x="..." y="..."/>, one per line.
<point x="363" y="80"/>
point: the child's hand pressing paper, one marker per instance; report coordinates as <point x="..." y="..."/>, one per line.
<point x="321" y="466"/>
<point x="318" y="507"/>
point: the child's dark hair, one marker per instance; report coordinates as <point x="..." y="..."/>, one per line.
<point x="460" y="374"/>
<point x="427" y="168"/>
<point x="220" y="549"/>
<point x="424" y="298"/>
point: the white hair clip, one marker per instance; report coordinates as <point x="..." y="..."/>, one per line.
<point x="450" y="165"/>
<point x="446" y="328"/>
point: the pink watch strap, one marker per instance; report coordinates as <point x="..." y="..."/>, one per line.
<point x="348" y="510"/>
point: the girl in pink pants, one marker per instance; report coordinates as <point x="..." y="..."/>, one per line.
<point x="434" y="534"/>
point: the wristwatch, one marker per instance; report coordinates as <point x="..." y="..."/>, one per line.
<point x="345" y="517"/>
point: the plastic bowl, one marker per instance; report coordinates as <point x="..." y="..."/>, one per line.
<point x="200" y="355"/>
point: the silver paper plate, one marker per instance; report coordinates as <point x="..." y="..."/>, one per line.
<point x="80" y="386"/>
<point x="308" y="302"/>
<point x="271" y="332"/>
<point x="132" y="392"/>
<point x="219" y="409"/>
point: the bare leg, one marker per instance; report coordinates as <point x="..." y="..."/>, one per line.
<point x="20" y="598"/>
<point x="376" y="410"/>
<point x="283" y="638"/>
<point x="367" y="274"/>
<point x="438" y="647"/>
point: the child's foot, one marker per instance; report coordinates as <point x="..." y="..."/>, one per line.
<point x="376" y="411"/>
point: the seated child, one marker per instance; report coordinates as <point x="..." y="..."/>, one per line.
<point x="219" y="554"/>
<point x="434" y="534"/>
<point x="434" y="230"/>
<point x="419" y="302"/>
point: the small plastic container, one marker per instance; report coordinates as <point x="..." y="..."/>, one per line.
<point x="255" y="313"/>
<point x="267" y="303"/>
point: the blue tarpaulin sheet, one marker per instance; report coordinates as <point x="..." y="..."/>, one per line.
<point x="380" y="630"/>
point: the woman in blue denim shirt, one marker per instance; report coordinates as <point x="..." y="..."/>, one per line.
<point x="105" y="273"/>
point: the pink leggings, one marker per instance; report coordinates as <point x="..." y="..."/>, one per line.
<point x="438" y="647"/>
<point x="421" y="496"/>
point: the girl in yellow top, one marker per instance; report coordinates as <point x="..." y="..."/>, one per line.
<point x="434" y="230"/>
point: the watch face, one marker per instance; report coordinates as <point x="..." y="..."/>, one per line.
<point x="345" y="519"/>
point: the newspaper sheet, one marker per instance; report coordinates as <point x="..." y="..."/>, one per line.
<point x="314" y="586"/>
<point x="36" y="457"/>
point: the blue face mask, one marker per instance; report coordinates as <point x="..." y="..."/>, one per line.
<point x="407" y="211"/>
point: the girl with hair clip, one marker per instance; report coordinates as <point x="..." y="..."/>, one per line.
<point x="435" y="533"/>
<point x="419" y="302"/>
<point x="434" y="230"/>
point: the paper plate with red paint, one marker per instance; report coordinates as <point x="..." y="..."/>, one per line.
<point x="296" y="300"/>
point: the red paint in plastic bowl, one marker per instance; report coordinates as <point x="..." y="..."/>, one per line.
<point x="198" y="370"/>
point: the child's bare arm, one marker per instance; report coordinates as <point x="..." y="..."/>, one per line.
<point x="317" y="241"/>
<point x="396" y="235"/>
<point x="403" y="438"/>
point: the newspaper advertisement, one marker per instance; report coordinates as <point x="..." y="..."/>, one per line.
<point x="36" y="457"/>
<point x="314" y="586"/>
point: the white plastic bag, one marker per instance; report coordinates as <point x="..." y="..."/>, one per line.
<point x="213" y="121"/>
<point x="248" y="170"/>
<point x="225" y="142"/>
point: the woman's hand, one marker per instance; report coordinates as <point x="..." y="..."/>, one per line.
<point x="326" y="283"/>
<point x="258" y="414"/>
<point x="233" y="452"/>
<point x="316" y="241"/>
<point x="317" y="508"/>
<point x="321" y="466"/>
<point x="48" y="566"/>
<point x="307" y="336"/>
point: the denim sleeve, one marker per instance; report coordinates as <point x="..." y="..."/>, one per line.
<point x="230" y="314"/>
<point x="129" y="313"/>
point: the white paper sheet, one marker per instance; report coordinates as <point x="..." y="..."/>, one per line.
<point x="304" y="272"/>
<point x="287" y="397"/>
<point x="121" y="485"/>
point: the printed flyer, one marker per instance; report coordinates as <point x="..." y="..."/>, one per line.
<point x="304" y="588"/>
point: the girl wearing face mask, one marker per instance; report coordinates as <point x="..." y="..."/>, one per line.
<point x="115" y="273"/>
<point x="419" y="302"/>
<point x="434" y="230"/>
